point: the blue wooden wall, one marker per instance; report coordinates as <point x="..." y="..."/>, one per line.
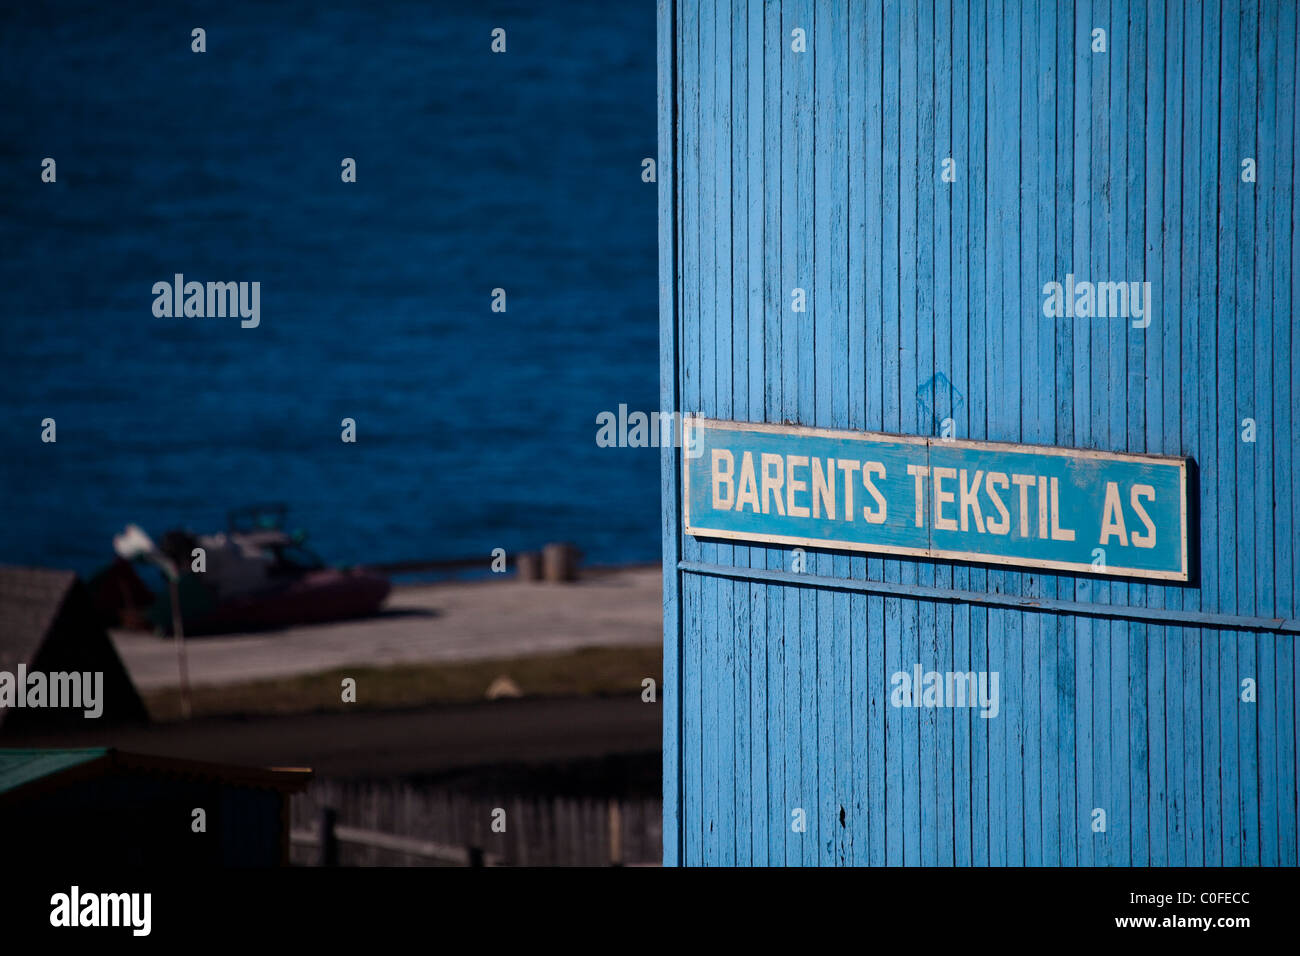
<point x="821" y="170"/>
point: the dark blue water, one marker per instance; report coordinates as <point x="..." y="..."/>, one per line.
<point x="475" y="171"/>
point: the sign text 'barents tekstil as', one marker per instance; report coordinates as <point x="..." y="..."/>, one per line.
<point x="985" y="502"/>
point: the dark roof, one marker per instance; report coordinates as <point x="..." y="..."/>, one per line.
<point x="21" y="767"/>
<point x="49" y="623"/>
<point x="30" y="599"/>
<point x="26" y="774"/>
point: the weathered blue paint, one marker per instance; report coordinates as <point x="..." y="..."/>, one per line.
<point x="822" y="171"/>
<point x="1037" y="507"/>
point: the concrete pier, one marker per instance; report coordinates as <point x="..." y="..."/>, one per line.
<point x="455" y="621"/>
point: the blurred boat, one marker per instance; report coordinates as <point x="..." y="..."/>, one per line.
<point x="253" y="576"/>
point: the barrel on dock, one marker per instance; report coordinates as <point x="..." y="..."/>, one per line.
<point x="528" y="566"/>
<point x="560" y="563"/>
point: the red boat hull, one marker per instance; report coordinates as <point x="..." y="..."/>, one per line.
<point x="314" y="598"/>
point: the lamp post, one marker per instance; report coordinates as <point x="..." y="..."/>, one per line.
<point x="133" y="544"/>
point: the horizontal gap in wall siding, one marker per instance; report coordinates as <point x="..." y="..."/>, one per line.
<point x="1167" y="616"/>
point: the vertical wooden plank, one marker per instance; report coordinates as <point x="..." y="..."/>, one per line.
<point x="942" y="297"/>
<point x="1183" y="673"/>
<point x="1018" y="639"/>
<point x="1113" y="412"/>
<point x="1102" y="226"/>
<point x="1129" y="685"/>
<point x="713" y="225"/>
<point x="1176" y="429"/>
<point x="834" y="316"/>
<point x="1263" y="769"/>
<point x="910" y="718"/>
<point x="793" y="112"/>
<point x="742" y="631"/>
<point x="1253" y="497"/>
<point x="1064" y="634"/>
<point x="1082" y="431"/>
<point x="776" y="303"/>
<point x="983" y="155"/>
<point x="1036" y="419"/>
<point x="1148" y="788"/>
<point x="1229" y="302"/>
<point x="725" y="633"/>
<point x="924" y="178"/>
<point x="894" y="799"/>
<point x="704" y="362"/>
<point x="1292" y="847"/>
<point x="669" y="472"/>
<point x="1006" y="639"/>
<point x="1001" y="399"/>
<point x="1280" y="192"/>
<point x="874" y="368"/>
<point x="692" y="688"/>
<point x="827" y="353"/>
<point x="756" y="177"/>
<point x="1256" y="744"/>
<point x="1295" y="418"/>
<point x="1051" y="196"/>
<point x="804" y="241"/>
<point x="1132" y="696"/>
<point x="1198" y="344"/>
<point x="736" y="705"/>
<point x="962" y="264"/>
<point x="1206" y="796"/>
<point x="858" y="309"/>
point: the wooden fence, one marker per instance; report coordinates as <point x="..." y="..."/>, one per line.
<point x="406" y="823"/>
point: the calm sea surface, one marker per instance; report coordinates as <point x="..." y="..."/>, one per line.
<point x="475" y="171"/>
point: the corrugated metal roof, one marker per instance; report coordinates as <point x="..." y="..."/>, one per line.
<point x="20" y="767"/>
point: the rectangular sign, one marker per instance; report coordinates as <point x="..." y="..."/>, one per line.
<point x="1027" y="506"/>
